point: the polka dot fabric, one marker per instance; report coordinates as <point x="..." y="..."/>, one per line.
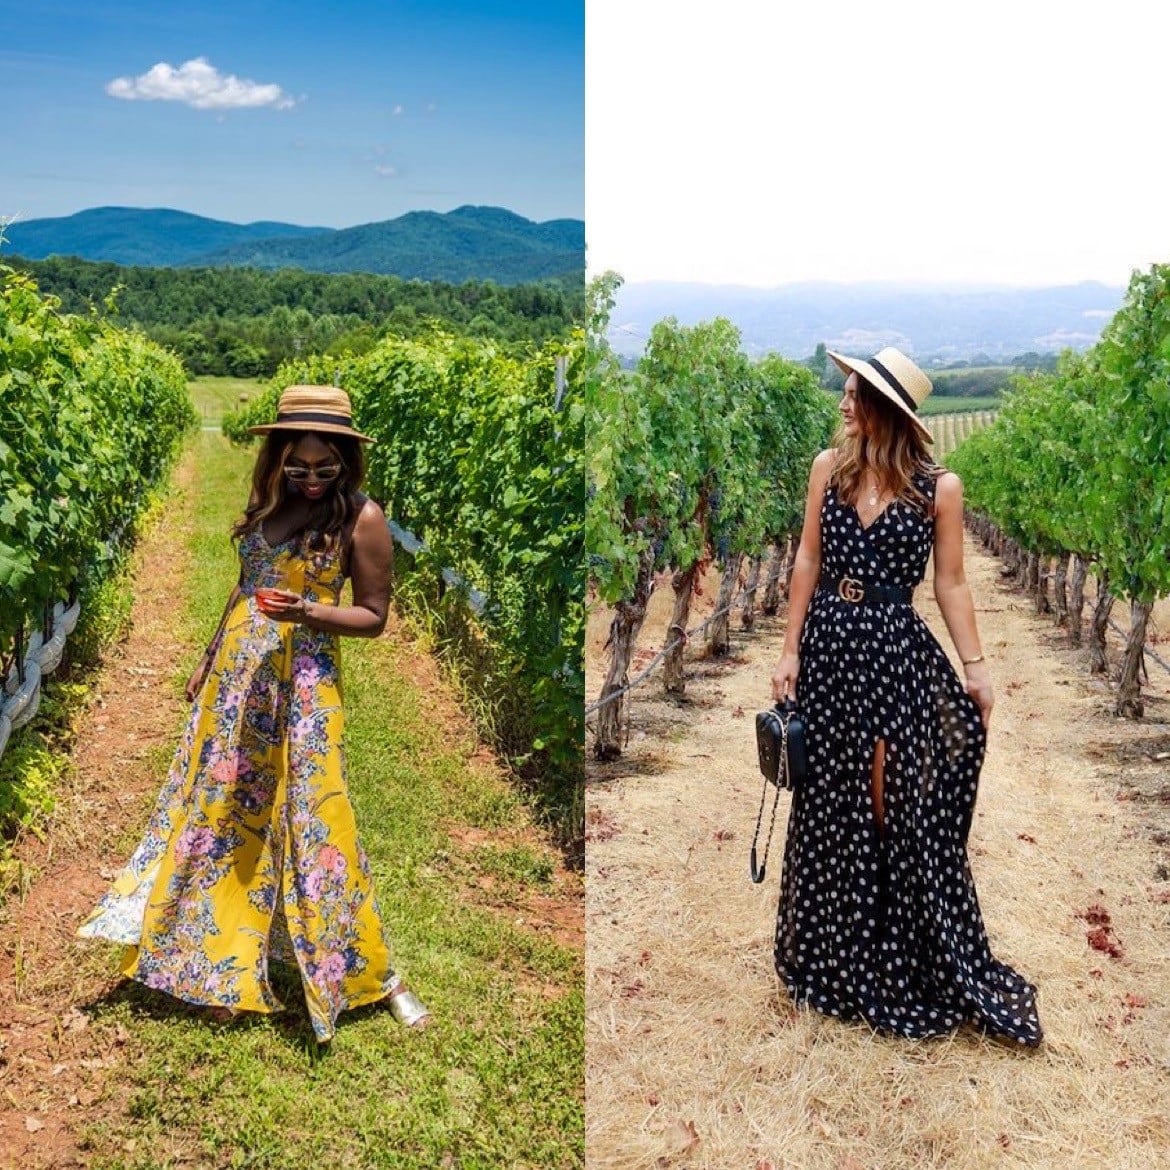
<point x="886" y="926"/>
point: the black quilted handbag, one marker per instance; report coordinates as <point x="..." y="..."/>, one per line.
<point x="780" y="740"/>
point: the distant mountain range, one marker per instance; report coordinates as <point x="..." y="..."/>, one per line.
<point x="933" y="323"/>
<point x="469" y="243"/>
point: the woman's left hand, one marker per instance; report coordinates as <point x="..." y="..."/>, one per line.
<point x="979" y="688"/>
<point x="283" y="606"/>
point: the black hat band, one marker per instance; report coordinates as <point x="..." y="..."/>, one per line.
<point x="894" y="384"/>
<point x="318" y="416"/>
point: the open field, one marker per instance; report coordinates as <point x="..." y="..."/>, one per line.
<point x="215" y="396"/>
<point x="952" y="404"/>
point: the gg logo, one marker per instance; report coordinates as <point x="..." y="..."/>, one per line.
<point x="851" y="590"/>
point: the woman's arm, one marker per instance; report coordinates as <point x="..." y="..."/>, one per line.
<point x="805" y="573"/>
<point x="951" y="591"/>
<point x="371" y="558"/>
<point x="204" y="664"/>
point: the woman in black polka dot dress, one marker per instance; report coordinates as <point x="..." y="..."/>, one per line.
<point x="878" y="914"/>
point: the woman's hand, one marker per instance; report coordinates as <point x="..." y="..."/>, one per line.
<point x="195" y="682"/>
<point x="979" y="688"/>
<point x="282" y="606"/>
<point x="784" y="677"/>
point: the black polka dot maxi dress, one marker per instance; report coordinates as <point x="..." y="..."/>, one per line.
<point x="886" y="926"/>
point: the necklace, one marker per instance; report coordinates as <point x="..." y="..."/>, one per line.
<point x="873" y="494"/>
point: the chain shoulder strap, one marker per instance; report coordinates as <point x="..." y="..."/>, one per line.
<point x="758" y="871"/>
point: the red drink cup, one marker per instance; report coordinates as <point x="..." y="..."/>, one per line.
<point x="266" y="598"/>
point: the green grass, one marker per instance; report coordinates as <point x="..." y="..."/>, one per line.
<point x="215" y="396"/>
<point x="496" y="1081"/>
<point x="941" y="404"/>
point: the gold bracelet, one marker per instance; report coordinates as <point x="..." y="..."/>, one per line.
<point x="972" y="661"/>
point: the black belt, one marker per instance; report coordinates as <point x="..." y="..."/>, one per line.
<point x="867" y="592"/>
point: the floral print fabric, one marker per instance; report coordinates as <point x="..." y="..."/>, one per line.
<point x="252" y="852"/>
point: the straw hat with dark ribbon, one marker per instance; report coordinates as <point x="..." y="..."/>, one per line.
<point x="324" y="409"/>
<point x="892" y="374"/>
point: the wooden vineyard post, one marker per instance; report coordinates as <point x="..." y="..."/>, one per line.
<point x="1076" y="600"/>
<point x="790" y="563"/>
<point x="771" y="605"/>
<point x="1060" y="589"/>
<point x="672" y="666"/>
<point x="1098" y="664"/>
<point x="1129" y="687"/>
<point x="623" y="634"/>
<point x="748" y="614"/>
<point x="719" y="634"/>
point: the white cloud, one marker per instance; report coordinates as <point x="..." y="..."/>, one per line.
<point x="199" y="84"/>
<point x="386" y="172"/>
<point x="398" y="111"/>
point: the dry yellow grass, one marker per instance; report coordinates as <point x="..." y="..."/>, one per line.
<point x="695" y="1057"/>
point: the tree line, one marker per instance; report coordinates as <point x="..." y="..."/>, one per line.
<point x="245" y="322"/>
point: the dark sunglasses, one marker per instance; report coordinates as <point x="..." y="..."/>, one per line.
<point x="326" y="473"/>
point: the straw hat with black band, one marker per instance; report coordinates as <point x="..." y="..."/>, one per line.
<point x="324" y="409"/>
<point x="892" y="374"/>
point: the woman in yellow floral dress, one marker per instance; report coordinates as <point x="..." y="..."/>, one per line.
<point x="252" y="850"/>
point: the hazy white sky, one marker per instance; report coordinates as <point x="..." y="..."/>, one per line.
<point x="768" y="141"/>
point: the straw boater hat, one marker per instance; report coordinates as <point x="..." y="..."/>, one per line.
<point x="892" y="374"/>
<point x="324" y="409"/>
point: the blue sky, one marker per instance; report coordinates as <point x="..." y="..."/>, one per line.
<point x="329" y="115"/>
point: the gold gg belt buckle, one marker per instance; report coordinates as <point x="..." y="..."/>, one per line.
<point x="851" y="590"/>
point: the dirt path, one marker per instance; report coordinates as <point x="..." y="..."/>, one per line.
<point x="53" y="1066"/>
<point x="696" y="1059"/>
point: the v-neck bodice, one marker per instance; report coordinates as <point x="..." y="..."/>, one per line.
<point x="893" y="549"/>
<point x="287" y="564"/>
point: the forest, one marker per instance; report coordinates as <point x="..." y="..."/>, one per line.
<point x="244" y="322"/>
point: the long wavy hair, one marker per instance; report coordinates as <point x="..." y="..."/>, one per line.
<point x="888" y="446"/>
<point x="329" y="515"/>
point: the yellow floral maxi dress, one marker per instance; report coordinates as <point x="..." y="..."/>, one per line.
<point x="252" y="850"/>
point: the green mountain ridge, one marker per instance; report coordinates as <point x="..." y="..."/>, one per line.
<point x="468" y="243"/>
<point x="159" y="237"/>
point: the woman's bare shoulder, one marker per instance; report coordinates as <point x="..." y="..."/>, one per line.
<point x="822" y="467"/>
<point x="369" y="512"/>
<point x="367" y="527"/>
<point x="948" y="488"/>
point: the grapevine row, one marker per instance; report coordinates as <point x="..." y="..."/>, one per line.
<point x="91" y="419"/>
<point x="1075" y="474"/>
<point x="698" y="454"/>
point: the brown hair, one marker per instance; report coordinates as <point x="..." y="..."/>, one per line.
<point x="328" y="516"/>
<point x="888" y="445"/>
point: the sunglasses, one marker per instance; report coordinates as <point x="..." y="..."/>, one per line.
<point x="326" y="473"/>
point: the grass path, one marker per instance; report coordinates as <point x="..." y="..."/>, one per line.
<point x="484" y="921"/>
<point x="696" y="1059"/>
